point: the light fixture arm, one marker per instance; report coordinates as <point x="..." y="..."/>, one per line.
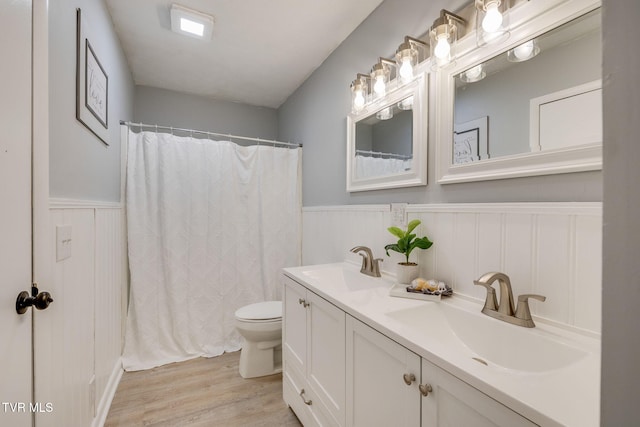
<point x="447" y="17"/>
<point x="413" y="41"/>
<point x="387" y="61"/>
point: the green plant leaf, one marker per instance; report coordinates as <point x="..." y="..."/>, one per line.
<point x="407" y="241"/>
<point x="392" y="247"/>
<point x="423" y="243"/>
<point x="396" y="232"/>
<point x="412" y="225"/>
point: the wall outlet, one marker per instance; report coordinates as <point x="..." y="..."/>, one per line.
<point x="399" y="214"/>
<point x="63" y="242"/>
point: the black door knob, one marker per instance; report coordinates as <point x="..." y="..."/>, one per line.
<point x="40" y="301"/>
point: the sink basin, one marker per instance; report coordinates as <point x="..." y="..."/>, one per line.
<point x="343" y="279"/>
<point x="492" y="341"/>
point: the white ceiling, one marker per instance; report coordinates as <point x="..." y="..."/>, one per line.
<point x="261" y="50"/>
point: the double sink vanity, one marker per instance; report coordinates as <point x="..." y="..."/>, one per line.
<point x="355" y="356"/>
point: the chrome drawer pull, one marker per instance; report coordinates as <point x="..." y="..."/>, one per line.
<point x="306" y="402"/>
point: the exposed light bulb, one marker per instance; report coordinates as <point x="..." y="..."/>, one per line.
<point x="406" y="69"/>
<point x="385" y="114"/>
<point x="379" y="87"/>
<point x="406" y="104"/>
<point x="443" y="48"/>
<point x="524" y="51"/>
<point x="493" y="18"/>
<point x="358" y="100"/>
<point x="472" y="74"/>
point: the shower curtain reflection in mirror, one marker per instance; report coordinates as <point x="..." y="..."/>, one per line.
<point x="210" y="225"/>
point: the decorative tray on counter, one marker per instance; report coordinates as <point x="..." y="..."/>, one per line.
<point x="434" y="292"/>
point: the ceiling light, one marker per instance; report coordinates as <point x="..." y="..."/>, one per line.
<point x="492" y="22"/>
<point x="191" y="23"/>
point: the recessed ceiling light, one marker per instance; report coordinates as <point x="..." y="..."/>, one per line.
<point x="191" y="23"/>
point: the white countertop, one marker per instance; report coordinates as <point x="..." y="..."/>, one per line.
<point x="569" y="395"/>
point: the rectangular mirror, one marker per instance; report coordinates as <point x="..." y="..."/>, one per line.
<point x="386" y="142"/>
<point x="533" y="107"/>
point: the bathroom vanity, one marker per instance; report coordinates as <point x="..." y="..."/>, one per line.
<point x="355" y="356"/>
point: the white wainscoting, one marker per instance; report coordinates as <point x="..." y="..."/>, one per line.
<point x="90" y="296"/>
<point x="553" y="249"/>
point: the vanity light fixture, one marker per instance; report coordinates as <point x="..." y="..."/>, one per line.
<point x="474" y="74"/>
<point x="443" y="35"/>
<point x="380" y="73"/>
<point x="407" y="58"/>
<point x="524" y="52"/>
<point x="191" y="23"/>
<point x="492" y="21"/>
<point x="406" y="104"/>
<point x="385" y="114"/>
<point x="359" y="92"/>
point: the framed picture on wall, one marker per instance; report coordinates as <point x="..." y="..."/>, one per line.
<point x="471" y="141"/>
<point x="92" y="84"/>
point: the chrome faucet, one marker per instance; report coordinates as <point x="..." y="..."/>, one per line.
<point x="370" y="266"/>
<point x="505" y="309"/>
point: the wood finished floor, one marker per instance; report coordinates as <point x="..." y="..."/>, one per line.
<point x="199" y="392"/>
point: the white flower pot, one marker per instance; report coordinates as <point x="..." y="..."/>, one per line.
<point x="405" y="273"/>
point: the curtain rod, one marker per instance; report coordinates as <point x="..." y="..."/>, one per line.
<point x="379" y="153"/>
<point x="228" y="135"/>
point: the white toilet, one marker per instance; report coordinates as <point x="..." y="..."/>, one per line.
<point x="260" y="325"/>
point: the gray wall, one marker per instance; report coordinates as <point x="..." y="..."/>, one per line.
<point x="81" y="166"/>
<point x="169" y="108"/>
<point x="316" y="116"/>
<point x="620" y="268"/>
<point x="506" y="94"/>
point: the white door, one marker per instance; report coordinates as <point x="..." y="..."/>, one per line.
<point x="15" y="211"/>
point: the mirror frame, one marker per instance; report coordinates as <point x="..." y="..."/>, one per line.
<point x="418" y="173"/>
<point x="528" y="20"/>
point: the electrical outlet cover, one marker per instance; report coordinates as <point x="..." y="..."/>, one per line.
<point x="399" y="214"/>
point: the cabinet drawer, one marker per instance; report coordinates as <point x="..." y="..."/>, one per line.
<point x="310" y="413"/>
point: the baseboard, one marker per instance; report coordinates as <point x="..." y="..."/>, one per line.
<point x="107" y="396"/>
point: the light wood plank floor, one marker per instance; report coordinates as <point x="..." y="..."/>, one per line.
<point x="199" y="392"/>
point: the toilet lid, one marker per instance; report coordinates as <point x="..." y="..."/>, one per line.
<point x="261" y="311"/>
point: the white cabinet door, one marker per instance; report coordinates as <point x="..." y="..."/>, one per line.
<point x="377" y="394"/>
<point x="294" y="327"/>
<point x="452" y="402"/>
<point x="15" y="212"/>
<point x="326" y="356"/>
<point x="313" y="356"/>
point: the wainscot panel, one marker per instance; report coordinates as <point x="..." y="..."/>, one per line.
<point x="553" y="249"/>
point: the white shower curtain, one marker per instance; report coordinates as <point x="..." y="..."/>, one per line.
<point x="210" y="225"/>
<point x="368" y="166"/>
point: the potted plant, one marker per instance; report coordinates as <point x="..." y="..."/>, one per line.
<point x="407" y="242"/>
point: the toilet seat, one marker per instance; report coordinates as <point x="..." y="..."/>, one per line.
<point x="262" y="312"/>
